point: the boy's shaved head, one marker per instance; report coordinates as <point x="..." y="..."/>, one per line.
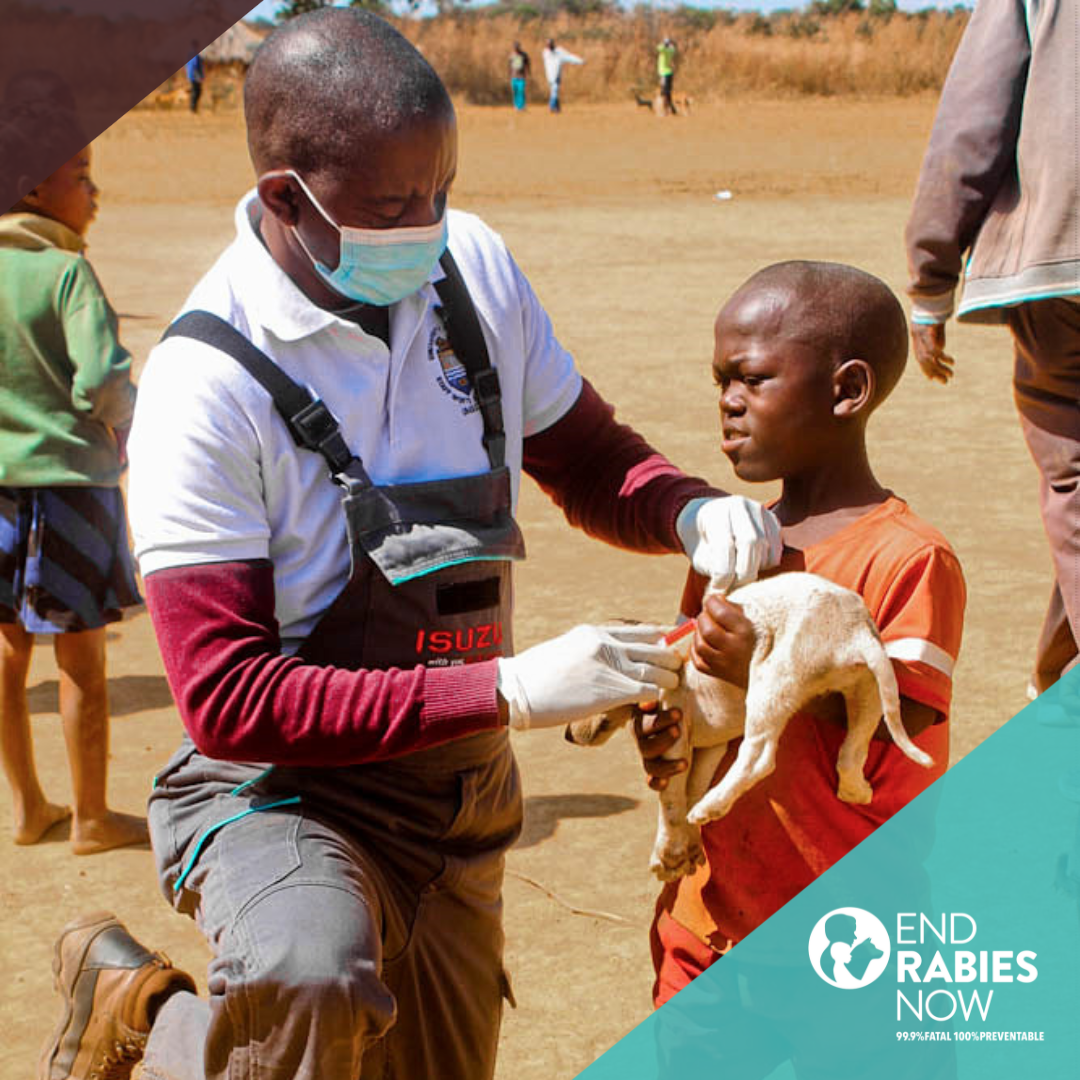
<point x="845" y="312"/>
<point x="325" y="81"/>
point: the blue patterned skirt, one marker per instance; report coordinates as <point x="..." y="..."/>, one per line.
<point x="65" y="565"/>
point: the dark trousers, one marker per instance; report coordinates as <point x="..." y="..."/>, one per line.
<point x="195" y="93"/>
<point x="1046" y="384"/>
<point x="666" y="82"/>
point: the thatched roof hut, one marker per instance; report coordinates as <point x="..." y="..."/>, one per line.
<point x="236" y="46"/>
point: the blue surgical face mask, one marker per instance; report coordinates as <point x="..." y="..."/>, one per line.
<point x="379" y="266"/>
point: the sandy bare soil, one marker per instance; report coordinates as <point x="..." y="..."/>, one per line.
<point x="611" y="213"/>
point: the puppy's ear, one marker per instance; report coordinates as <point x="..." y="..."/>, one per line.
<point x="598" y="729"/>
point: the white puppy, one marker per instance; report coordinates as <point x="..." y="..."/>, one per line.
<point x="812" y="637"/>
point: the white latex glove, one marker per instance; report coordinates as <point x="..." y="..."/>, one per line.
<point x="584" y="672"/>
<point x="730" y="539"/>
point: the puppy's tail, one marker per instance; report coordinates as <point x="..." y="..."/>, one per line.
<point x="881" y="668"/>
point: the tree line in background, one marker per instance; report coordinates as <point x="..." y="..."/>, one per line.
<point x="827" y="48"/>
<point x="549" y="8"/>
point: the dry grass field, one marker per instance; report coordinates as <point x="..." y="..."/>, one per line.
<point x="721" y="54"/>
<point x="790" y="53"/>
<point x="611" y="213"/>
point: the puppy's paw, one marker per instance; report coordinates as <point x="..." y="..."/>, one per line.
<point x="708" y="810"/>
<point x="677" y="856"/>
<point x="855" y="790"/>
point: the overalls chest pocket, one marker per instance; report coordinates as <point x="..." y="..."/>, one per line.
<point x="430" y="581"/>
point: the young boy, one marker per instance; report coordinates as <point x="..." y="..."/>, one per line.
<point x="66" y="399"/>
<point x="805" y="352"/>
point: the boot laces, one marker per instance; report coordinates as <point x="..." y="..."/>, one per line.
<point x="120" y="1060"/>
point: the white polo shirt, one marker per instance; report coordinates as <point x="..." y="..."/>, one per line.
<point x="215" y="474"/>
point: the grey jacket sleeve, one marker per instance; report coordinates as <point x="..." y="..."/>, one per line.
<point x="972" y="147"/>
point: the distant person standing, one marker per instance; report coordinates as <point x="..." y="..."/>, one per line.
<point x="555" y="56"/>
<point x="520" y="68"/>
<point x="196" y="74"/>
<point x="665" y="71"/>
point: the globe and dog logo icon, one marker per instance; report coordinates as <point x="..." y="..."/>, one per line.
<point x="849" y="948"/>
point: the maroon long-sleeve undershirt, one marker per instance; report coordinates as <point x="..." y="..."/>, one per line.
<point x="241" y="700"/>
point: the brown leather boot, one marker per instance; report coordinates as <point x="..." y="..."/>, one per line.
<point x="112" y="988"/>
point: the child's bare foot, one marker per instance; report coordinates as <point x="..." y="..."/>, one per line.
<point x="112" y="831"/>
<point x="31" y="828"/>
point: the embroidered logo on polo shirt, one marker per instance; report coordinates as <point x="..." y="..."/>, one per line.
<point x="450" y="373"/>
<point x="452" y="368"/>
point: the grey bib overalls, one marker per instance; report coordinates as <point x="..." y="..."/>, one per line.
<point x="354" y="913"/>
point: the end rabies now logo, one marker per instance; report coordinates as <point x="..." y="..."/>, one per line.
<point x="850" y="948"/>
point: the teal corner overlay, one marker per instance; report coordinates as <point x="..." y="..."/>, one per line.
<point x="946" y="945"/>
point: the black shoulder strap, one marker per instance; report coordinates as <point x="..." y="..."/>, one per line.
<point x="310" y="422"/>
<point x="467" y="339"/>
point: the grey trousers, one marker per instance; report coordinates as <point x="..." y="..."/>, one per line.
<point x="356" y="933"/>
<point x="1046" y="386"/>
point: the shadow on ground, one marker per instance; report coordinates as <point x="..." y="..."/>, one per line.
<point x="544" y="812"/>
<point x="127" y="694"/>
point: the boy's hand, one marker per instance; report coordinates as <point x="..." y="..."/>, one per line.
<point x="656" y="733"/>
<point x="724" y="641"/>
<point x="929" y="344"/>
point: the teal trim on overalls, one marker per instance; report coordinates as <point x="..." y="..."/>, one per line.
<point x="192" y="858"/>
<point x="254" y="780"/>
<point x="453" y="562"/>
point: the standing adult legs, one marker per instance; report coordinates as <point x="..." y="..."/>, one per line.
<point x="1056" y="648"/>
<point x="1046" y="386"/>
<point x="665" y="92"/>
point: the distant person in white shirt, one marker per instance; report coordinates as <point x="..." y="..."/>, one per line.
<point x="554" y="58"/>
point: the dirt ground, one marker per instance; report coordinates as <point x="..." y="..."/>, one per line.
<point x="611" y="212"/>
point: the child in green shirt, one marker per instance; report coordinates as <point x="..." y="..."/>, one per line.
<point x="66" y="400"/>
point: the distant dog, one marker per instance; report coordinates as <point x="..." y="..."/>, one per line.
<point x="812" y="638"/>
<point x="682" y="103"/>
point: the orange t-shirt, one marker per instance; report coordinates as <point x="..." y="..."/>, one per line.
<point x="791" y="827"/>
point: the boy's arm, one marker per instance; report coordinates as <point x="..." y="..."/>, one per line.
<point x="101" y="384"/>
